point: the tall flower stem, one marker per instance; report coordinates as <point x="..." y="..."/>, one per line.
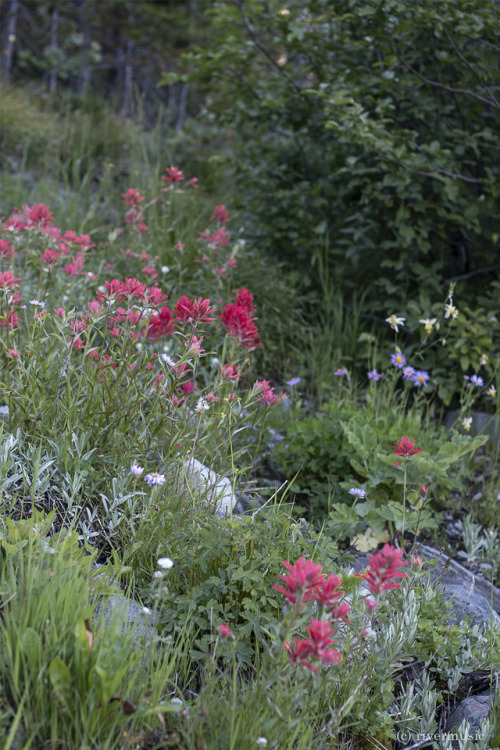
<point x="404" y="506"/>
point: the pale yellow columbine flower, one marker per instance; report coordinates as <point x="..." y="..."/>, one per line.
<point x="429" y="324"/>
<point x="450" y="311"/>
<point x="467" y="423"/>
<point x="492" y="391"/>
<point x="484" y="359"/>
<point x="395" y="322"/>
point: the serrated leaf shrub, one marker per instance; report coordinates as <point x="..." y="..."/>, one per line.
<point x="368" y="126"/>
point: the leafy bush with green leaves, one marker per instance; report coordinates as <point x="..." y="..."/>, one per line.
<point x="344" y="447"/>
<point x="224" y="571"/>
<point x="367" y="123"/>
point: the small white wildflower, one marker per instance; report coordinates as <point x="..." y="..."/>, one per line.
<point x="450" y="311"/>
<point x="467" y="423"/>
<point x="136" y="470"/>
<point x="176" y="700"/>
<point x="168" y="360"/>
<point x="165" y="563"/>
<point x="201" y="406"/>
<point x="157" y="574"/>
<point x="484" y="359"/>
<point x="147" y="611"/>
<point x="395" y="322"/>
<point x="428" y="323"/>
<point x="261" y="742"/>
<point x="36" y="303"/>
<point x="492" y="391"/>
<point x="165" y="269"/>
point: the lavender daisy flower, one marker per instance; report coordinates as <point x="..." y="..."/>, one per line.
<point x="374" y="375"/>
<point x="293" y="381"/>
<point x="356" y="492"/>
<point x="477" y="380"/>
<point x="340" y="372"/>
<point x="421" y="378"/>
<point x="398" y="359"/>
<point x="136" y="470"/>
<point x="408" y="373"/>
<point x="155" y="478"/>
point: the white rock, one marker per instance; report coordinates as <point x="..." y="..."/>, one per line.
<point x="219" y="490"/>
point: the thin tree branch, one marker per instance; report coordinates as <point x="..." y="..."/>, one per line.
<point x="474" y="73"/>
<point x="470" y="274"/>
<point x="450" y="89"/>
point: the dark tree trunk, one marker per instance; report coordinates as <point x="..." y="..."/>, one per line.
<point x="53" y="46"/>
<point x="10" y="39"/>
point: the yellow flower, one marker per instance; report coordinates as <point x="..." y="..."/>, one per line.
<point x="450" y="311"/>
<point x="429" y="324"/>
<point x="492" y="391"/>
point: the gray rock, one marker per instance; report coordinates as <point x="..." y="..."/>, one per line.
<point x="133" y="617"/>
<point x="473" y="709"/>
<point x="468" y="602"/>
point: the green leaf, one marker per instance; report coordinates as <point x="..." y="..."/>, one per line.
<point x="60" y="679"/>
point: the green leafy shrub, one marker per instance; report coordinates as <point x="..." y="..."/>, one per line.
<point x="224" y="571"/>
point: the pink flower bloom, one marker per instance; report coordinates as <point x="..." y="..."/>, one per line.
<point x="220" y="214"/>
<point x="38" y="216"/>
<point x="12" y="354"/>
<point x="6" y="250"/>
<point x="150" y="271"/>
<point x="320" y="632"/>
<point x="8" y="281"/>
<point x="179" y="246"/>
<point x="301" y="654"/>
<point x="405" y="448"/>
<point x="193" y="182"/>
<point x="225" y="632"/>
<point x="75" y="267"/>
<point x="95" y="308"/>
<point x="12" y="320"/>
<point x="381" y="568"/>
<point x="260" y="385"/>
<point x="155" y="296"/>
<point x="59" y="311"/>
<point x="230" y="372"/>
<point x="173" y="175"/>
<point x="132" y="197"/>
<point x="220" y="238"/>
<point x="84" y="242"/>
<point x="328" y="591"/>
<point x="193" y="347"/>
<point x="49" y="257"/>
<point x="302" y="582"/>
<point x="269" y="397"/>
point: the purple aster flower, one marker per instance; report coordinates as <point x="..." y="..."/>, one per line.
<point x="398" y="359"/>
<point x="374" y="375"/>
<point x="408" y="373"/>
<point x="477" y="380"/>
<point x="136" y="470"/>
<point x="154" y="478"/>
<point x="340" y="372"/>
<point x="356" y="492"/>
<point x="420" y="378"/>
<point x="293" y="381"/>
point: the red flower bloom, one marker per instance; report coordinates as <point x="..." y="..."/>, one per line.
<point x="320" y="632"/>
<point x="382" y="567"/>
<point x="237" y="317"/>
<point x="75" y="267"/>
<point x="194" y="311"/>
<point x="161" y="324"/>
<point x="38" y="216"/>
<point x="12" y="320"/>
<point x="302" y="582"/>
<point x="405" y="448"/>
<point x="155" y="296"/>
